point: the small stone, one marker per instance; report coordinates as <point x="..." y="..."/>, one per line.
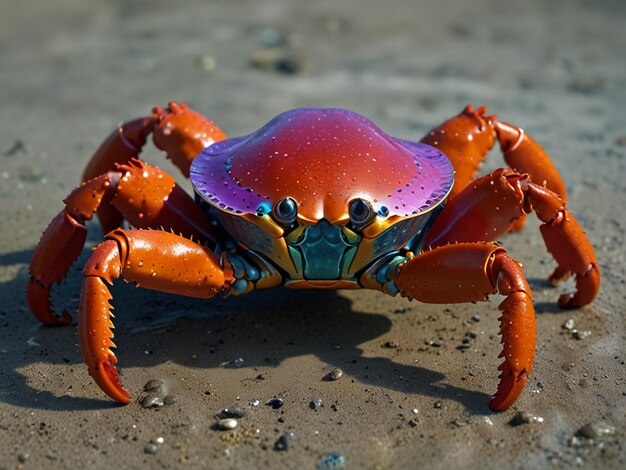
<point x="595" y="430"/>
<point x="30" y="174"/>
<point x="255" y="402"/>
<point x="524" y="417"/>
<point x="315" y="403"/>
<point x="391" y="345"/>
<point x="151" y="401"/>
<point x="271" y="37"/>
<point x="231" y="413"/>
<point x="150" y="448"/>
<point x="154" y="385"/>
<point x="578" y="334"/>
<point x="569" y="324"/>
<point x="476" y="318"/>
<point x="438" y="405"/>
<point x="413" y="422"/>
<point x="332" y="461"/>
<point x="334" y="374"/>
<point x="285" y="441"/>
<point x="170" y="400"/>
<point x="275" y="403"/>
<point x="207" y="63"/>
<point x="18" y="146"/>
<point x="226" y="424"/>
<point x="23" y="457"/>
<point x="290" y="65"/>
<point x="497" y="442"/>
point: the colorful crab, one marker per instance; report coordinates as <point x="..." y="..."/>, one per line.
<point x="318" y="198"/>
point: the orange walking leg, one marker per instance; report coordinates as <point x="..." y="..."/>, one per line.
<point x="152" y="259"/>
<point x="487" y="209"/>
<point x="177" y="130"/>
<point x="468" y="137"/>
<point x="470" y="272"/>
<point x="145" y="195"/>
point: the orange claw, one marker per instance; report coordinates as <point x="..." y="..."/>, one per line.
<point x="469" y="272"/>
<point x="152" y="259"/>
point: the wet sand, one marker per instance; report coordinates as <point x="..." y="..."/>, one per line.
<point x="412" y="395"/>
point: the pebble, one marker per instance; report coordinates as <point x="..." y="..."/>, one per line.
<point x="271" y="37"/>
<point x="569" y="324"/>
<point x="151" y="401"/>
<point x="207" y="63"/>
<point x="275" y="403"/>
<point x="332" y="461"/>
<point x="315" y="403"/>
<point x="231" y="413"/>
<point x="334" y="374"/>
<point x="476" y="318"/>
<point x="170" y="399"/>
<point x="391" y="344"/>
<point x="524" y="417"/>
<point x="154" y="385"/>
<point x="255" y="402"/>
<point x="234" y="364"/>
<point x="150" y="448"/>
<point x="578" y="334"/>
<point x="285" y="441"/>
<point x="595" y="430"/>
<point x="23" y="457"/>
<point x="226" y="424"/>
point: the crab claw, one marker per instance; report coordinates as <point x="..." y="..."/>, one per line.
<point x="469" y="272"/>
<point x="94" y="331"/>
<point x="153" y="259"/>
<point x="60" y="245"/>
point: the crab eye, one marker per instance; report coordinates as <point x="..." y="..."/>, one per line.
<point x="285" y="211"/>
<point x="360" y="211"/>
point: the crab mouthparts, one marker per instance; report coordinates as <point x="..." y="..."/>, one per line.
<point x="323" y="252"/>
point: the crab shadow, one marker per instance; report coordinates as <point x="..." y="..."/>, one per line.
<point x="264" y="328"/>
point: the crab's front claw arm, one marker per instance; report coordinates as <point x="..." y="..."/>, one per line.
<point x="469" y="272"/>
<point x="152" y="259"/>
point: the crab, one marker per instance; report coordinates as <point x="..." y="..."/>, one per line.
<point x="315" y="199"/>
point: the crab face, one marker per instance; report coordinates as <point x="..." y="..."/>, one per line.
<point x="321" y="192"/>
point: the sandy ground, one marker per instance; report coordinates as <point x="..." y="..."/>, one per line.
<point x="409" y="397"/>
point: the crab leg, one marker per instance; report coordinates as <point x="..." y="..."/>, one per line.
<point x="488" y="207"/>
<point x="465" y="139"/>
<point x="468" y="137"/>
<point x="177" y="130"/>
<point x="469" y="272"/>
<point x="152" y="259"/>
<point x="146" y="196"/>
